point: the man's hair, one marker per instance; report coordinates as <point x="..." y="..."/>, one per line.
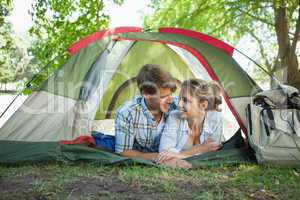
<point x="152" y="77"/>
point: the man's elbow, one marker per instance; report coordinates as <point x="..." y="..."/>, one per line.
<point x="127" y="153"/>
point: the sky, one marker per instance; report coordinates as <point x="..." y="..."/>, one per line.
<point x="130" y="13"/>
<point x="20" y="18"/>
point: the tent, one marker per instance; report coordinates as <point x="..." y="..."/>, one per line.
<point x="100" y="75"/>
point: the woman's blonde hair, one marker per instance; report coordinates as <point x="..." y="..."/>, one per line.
<point x="203" y="90"/>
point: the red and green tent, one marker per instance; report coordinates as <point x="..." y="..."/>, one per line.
<point x="100" y="75"/>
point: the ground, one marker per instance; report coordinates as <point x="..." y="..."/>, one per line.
<point x="91" y="181"/>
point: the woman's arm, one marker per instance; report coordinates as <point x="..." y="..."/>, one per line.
<point x="207" y="146"/>
<point x="174" y="134"/>
<point x="214" y="127"/>
<point x="197" y="149"/>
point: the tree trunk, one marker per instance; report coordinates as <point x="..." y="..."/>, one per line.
<point x="286" y="51"/>
<point x="293" y="72"/>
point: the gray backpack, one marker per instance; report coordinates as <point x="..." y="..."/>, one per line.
<point x="274" y="125"/>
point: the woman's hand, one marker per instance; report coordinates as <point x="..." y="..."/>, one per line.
<point x="211" y="145"/>
<point x="165" y="155"/>
<point x="171" y="159"/>
<point x="177" y="163"/>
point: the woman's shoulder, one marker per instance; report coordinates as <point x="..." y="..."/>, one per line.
<point x="214" y="114"/>
<point x="214" y="117"/>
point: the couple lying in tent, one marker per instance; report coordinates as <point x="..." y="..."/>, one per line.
<point x="165" y="129"/>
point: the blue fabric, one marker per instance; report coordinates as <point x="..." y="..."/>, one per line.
<point x="104" y="141"/>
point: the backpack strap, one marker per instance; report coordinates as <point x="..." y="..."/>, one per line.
<point x="298" y="114"/>
<point x="249" y="118"/>
<point x="268" y="120"/>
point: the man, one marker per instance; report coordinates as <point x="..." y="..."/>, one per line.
<point x="139" y="123"/>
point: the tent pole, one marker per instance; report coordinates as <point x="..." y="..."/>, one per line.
<point x="272" y="77"/>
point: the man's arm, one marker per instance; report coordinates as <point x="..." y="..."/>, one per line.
<point x="138" y="154"/>
<point x="125" y="137"/>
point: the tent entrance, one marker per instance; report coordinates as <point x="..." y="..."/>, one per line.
<point x="122" y="86"/>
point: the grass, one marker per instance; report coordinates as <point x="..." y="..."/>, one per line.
<point x="90" y="181"/>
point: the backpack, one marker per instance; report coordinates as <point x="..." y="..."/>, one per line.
<point x="274" y="125"/>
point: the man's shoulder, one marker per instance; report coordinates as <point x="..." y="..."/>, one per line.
<point x="175" y="118"/>
<point x="130" y="106"/>
<point x="175" y="114"/>
<point x="173" y="106"/>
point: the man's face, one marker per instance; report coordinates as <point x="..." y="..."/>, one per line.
<point x="159" y="102"/>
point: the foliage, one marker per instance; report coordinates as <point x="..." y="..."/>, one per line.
<point x="7" y="52"/>
<point x="229" y="20"/>
<point x="15" y="64"/>
<point x="5" y="9"/>
<point x="59" y="23"/>
<point x="10" y="55"/>
<point x="6" y="43"/>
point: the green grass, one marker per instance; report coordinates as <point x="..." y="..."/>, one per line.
<point x="90" y="181"/>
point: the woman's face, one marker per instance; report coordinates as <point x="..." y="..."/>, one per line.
<point x="190" y="106"/>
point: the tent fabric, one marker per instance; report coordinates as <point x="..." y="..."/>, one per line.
<point x="77" y="46"/>
<point x="93" y="87"/>
<point x="42" y="117"/>
<point x="13" y="152"/>
<point x="235" y="81"/>
<point x="195" y="67"/>
<point x="82" y="89"/>
<point x="241" y="102"/>
<point x="101" y="72"/>
<point x="68" y="79"/>
<point x="201" y="37"/>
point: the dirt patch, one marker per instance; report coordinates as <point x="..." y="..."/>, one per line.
<point x="96" y="185"/>
<point x="110" y="188"/>
<point x="189" y="185"/>
<point x="24" y="185"/>
<point x="16" y="184"/>
<point x="14" y="187"/>
<point x="263" y="195"/>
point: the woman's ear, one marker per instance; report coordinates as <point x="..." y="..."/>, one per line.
<point x="203" y="104"/>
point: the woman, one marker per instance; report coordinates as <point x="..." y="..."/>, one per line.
<point x="197" y="126"/>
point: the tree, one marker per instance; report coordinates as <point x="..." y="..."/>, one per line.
<point x="5" y="9"/>
<point x="7" y="48"/>
<point x="231" y="20"/>
<point x="287" y="44"/>
<point x="59" y="23"/>
<point x="15" y="63"/>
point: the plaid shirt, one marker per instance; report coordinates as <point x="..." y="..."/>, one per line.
<point x="136" y="128"/>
